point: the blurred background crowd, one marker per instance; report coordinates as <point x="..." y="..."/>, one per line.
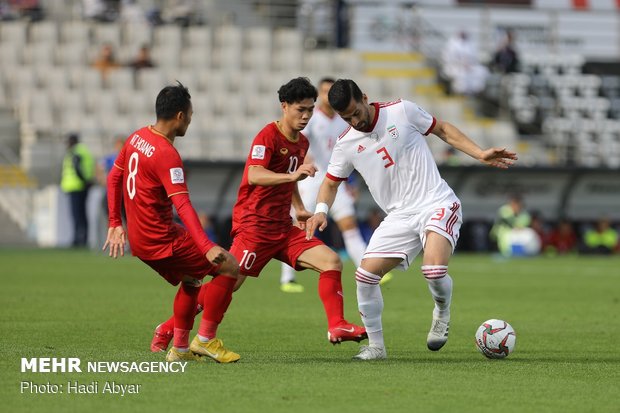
<point x="541" y="77"/>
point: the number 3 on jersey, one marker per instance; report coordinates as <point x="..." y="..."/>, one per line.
<point x="386" y="157"/>
<point x="131" y="177"/>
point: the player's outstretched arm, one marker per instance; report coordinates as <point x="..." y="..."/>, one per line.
<point x="259" y="175"/>
<point x="188" y="216"/>
<point x="500" y="158"/>
<point x="116" y="240"/>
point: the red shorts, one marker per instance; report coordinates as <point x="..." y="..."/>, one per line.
<point x="186" y="259"/>
<point x="254" y="253"/>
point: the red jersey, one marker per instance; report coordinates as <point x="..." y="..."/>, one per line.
<point x="265" y="211"/>
<point x="152" y="173"/>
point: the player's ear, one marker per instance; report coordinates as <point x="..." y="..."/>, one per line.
<point x="364" y="98"/>
<point x="180" y="115"/>
<point x="283" y="105"/>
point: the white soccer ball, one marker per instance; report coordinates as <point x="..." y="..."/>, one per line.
<point x="496" y="339"/>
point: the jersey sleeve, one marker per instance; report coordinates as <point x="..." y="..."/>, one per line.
<point x="339" y="167"/>
<point x="419" y="118"/>
<point x="171" y="173"/>
<point x="262" y="149"/>
<point x="115" y="189"/>
<point x="188" y="216"/>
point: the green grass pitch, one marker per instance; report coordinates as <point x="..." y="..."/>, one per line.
<point x="81" y="304"/>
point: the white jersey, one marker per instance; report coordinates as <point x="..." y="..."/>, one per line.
<point x="394" y="159"/>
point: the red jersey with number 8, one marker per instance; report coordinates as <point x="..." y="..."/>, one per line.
<point x="265" y="211"/>
<point x="152" y="173"/>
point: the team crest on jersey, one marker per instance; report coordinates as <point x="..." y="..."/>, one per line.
<point x="284" y="151"/>
<point x="360" y="148"/>
<point x="393" y="131"/>
<point x="176" y="175"/>
<point x="374" y="136"/>
<point x="258" y="152"/>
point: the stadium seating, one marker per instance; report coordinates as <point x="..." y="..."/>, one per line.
<point x="232" y="72"/>
<point x="577" y="113"/>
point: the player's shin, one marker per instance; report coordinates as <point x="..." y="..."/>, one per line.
<point x="440" y="286"/>
<point x="330" y="292"/>
<point x="217" y="298"/>
<point x="370" y="305"/>
<point x="184" y="310"/>
<point x="168" y="325"/>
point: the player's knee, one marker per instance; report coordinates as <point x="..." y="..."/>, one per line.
<point x="332" y="261"/>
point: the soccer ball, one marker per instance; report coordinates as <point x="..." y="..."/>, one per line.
<point x="496" y="339"/>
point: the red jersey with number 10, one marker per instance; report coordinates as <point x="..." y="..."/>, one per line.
<point x="152" y="173"/>
<point x="265" y="211"/>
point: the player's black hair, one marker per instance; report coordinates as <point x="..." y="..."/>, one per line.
<point x="297" y="90"/>
<point x="341" y="92"/>
<point x="172" y="100"/>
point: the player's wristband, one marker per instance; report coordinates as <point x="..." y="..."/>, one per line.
<point x="321" y="207"/>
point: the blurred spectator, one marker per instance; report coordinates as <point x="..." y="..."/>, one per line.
<point x="460" y="66"/>
<point x="602" y="239"/>
<point x="506" y="59"/>
<point x="78" y="170"/>
<point x="106" y="61"/>
<point x="562" y="238"/>
<point x="142" y="59"/>
<point x="512" y="230"/>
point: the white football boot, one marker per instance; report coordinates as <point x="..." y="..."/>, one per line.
<point x="371" y="353"/>
<point x="438" y="335"/>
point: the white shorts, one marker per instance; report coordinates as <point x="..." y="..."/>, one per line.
<point x="343" y="206"/>
<point x="404" y="235"/>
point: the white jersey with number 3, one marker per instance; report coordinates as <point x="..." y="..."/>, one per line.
<point x="394" y="159"/>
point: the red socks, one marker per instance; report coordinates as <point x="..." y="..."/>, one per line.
<point x="168" y="325"/>
<point x="217" y="298"/>
<point x="184" y="311"/>
<point x="330" y="291"/>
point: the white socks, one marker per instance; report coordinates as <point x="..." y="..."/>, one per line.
<point x="287" y="275"/>
<point x="354" y="244"/>
<point x="440" y="285"/>
<point x="370" y="305"/>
